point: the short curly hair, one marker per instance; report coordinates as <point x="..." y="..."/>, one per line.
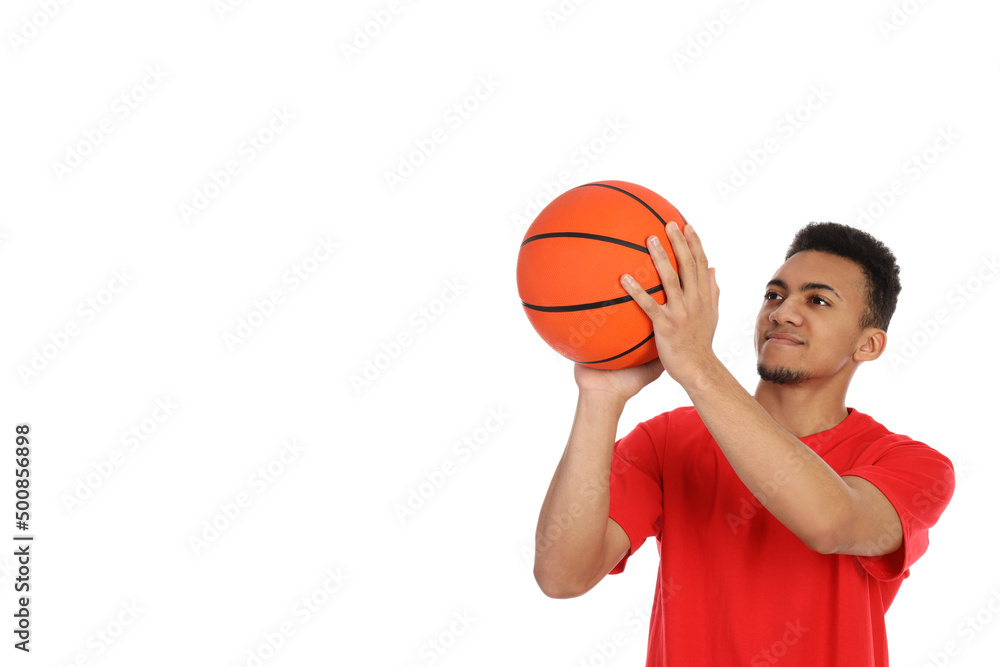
<point x="875" y="259"/>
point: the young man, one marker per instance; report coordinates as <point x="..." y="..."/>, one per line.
<point x="785" y="520"/>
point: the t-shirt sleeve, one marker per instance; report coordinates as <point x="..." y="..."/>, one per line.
<point x="636" y="487"/>
<point x="919" y="482"/>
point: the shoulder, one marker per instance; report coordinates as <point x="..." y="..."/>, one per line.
<point x="684" y="418"/>
<point x="670" y="435"/>
<point x="676" y="428"/>
<point x="881" y="440"/>
<point x="881" y="454"/>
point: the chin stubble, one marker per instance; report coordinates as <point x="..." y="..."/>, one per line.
<point x="780" y="375"/>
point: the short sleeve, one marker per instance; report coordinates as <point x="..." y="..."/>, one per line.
<point x="919" y="482"/>
<point x="636" y="488"/>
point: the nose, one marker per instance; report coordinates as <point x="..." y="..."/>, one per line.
<point x="785" y="313"/>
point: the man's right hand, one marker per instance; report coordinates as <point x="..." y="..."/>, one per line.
<point x="621" y="383"/>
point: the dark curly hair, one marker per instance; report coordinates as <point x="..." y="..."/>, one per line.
<point x="875" y="259"/>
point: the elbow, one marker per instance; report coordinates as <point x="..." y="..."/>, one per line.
<point x="557" y="586"/>
<point x="822" y="542"/>
<point x="848" y="539"/>
<point x="824" y="537"/>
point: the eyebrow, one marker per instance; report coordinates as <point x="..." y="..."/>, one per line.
<point x="805" y="287"/>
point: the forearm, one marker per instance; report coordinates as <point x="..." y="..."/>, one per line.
<point x="789" y="479"/>
<point x="569" y="540"/>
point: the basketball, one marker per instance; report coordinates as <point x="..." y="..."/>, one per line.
<point x="570" y="262"/>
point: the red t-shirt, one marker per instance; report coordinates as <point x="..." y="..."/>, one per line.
<point x="735" y="587"/>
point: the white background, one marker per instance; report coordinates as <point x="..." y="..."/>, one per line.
<point x="330" y="512"/>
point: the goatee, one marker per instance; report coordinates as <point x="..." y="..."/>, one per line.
<point x="780" y="375"/>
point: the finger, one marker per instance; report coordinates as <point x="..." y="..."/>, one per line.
<point x="715" y="287"/>
<point x="668" y="277"/>
<point x="687" y="267"/>
<point x="654" y="367"/>
<point x="701" y="261"/>
<point x="640" y="296"/>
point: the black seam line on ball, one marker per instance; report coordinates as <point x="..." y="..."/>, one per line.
<point x="584" y="235"/>
<point x="617" y="356"/>
<point x="611" y="187"/>
<point x="588" y="306"/>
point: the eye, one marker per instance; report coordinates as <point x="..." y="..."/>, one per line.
<point x="819" y="300"/>
<point x="771" y="295"/>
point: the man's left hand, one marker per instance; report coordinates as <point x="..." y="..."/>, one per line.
<point x="683" y="327"/>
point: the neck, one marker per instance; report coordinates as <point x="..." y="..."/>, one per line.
<point x="803" y="408"/>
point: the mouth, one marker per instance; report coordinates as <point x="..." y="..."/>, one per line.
<point x="782" y="339"/>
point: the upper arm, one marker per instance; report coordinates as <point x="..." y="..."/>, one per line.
<point x="917" y="483"/>
<point x="872" y="526"/>
<point x="616" y="545"/>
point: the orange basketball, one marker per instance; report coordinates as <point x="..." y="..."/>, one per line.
<point x="569" y="266"/>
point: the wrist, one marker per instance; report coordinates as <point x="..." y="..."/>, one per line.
<point x="605" y="400"/>
<point x="705" y="377"/>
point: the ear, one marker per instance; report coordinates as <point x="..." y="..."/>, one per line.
<point x="872" y="344"/>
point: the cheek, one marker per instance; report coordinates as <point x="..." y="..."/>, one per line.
<point x="836" y="345"/>
<point x="761" y="326"/>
